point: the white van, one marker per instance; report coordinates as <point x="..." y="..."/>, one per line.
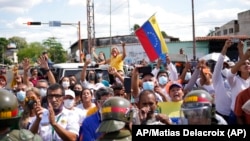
<point x="66" y="69"/>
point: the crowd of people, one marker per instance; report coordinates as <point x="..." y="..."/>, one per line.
<point x="90" y="109"/>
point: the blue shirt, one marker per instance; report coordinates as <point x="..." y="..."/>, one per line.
<point x="88" y="128"/>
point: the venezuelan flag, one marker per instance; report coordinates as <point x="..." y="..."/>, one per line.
<point x="150" y="36"/>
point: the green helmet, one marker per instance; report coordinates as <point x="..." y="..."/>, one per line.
<point x="115" y="113"/>
<point x="8" y="109"/>
<point x="197" y="104"/>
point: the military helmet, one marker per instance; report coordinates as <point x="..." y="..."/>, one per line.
<point x="8" y="109"/>
<point x="115" y="113"/>
<point x="197" y="103"/>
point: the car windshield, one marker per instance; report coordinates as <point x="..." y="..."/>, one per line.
<point x="77" y="73"/>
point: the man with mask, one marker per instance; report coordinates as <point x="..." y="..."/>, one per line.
<point x="69" y="102"/>
<point x="21" y="95"/>
<point x="42" y="85"/>
<point x="91" y="80"/>
<point x="57" y="123"/>
<point x="162" y="79"/>
<point x="147" y="82"/>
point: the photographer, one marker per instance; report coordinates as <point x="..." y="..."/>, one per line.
<point x="28" y="116"/>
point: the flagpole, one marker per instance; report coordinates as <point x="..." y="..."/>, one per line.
<point x="194" y="41"/>
<point x="110" y="27"/>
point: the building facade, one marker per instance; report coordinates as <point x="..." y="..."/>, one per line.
<point x="240" y="26"/>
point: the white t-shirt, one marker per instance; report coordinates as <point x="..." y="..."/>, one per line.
<point x="64" y="119"/>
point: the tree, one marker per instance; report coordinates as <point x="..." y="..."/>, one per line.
<point x="135" y="27"/>
<point x="18" y="41"/>
<point x="56" y="52"/>
<point x="33" y="51"/>
<point x="164" y="34"/>
<point x="3" y="46"/>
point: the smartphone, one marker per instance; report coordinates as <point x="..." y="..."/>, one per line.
<point x="127" y="84"/>
<point x="235" y="40"/>
<point x="145" y="70"/>
<point x="193" y="64"/>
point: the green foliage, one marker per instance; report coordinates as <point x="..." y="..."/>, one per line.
<point x="3" y="46"/>
<point x="164" y="34"/>
<point x="33" y="51"/>
<point x="135" y="27"/>
<point x="19" y="41"/>
<point x="56" y="52"/>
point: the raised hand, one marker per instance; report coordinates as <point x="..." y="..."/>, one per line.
<point x="38" y="110"/>
<point x="26" y="64"/>
<point x="43" y="63"/>
<point x="52" y="120"/>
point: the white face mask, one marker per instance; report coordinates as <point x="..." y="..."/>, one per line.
<point x="188" y="76"/>
<point x="21" y="95"/>
<point x="163" y="80"/>
<point x="68" y="103"/>
<point x="43" y="92"/>
<point x="65" y="84"/>
<point x="225" y="72"/>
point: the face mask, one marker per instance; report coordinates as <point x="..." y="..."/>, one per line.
<point x="77" y="92"/>
<point x="148" y="85"/>
<point x="99" y="75"/>
<point x="65" y="84"/>
<point x="188" y="76"/>
<point x="225" y="72"/>
<point x="21" y="95"/>
<point x="68" y="103"/>
<point x="163" y="80"/>
<point x="43" y="92"/>
<point x="91" y="77"/>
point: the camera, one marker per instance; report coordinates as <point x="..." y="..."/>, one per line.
<point x="31" y="103"/>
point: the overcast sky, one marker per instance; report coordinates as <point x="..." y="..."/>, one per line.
<point x="173" y="16"/>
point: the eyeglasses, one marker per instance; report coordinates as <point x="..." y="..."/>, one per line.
<point x="57" y="96"/>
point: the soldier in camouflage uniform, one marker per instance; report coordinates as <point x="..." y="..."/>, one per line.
<point x="9" y="120"/>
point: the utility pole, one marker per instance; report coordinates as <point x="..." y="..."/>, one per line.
<point x="110" y="26"/>
<point x="79" y="41"/>
<point x="194" y="41"/>
<point x="90" y="25"/>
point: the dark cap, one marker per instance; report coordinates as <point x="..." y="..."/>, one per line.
<point x="175" y="84"/>
<point x="144" y="74"/>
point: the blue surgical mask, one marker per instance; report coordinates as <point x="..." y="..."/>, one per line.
<point x="148" y="85"/>
<point x="163" y="80"/>
<point x="21" y="95"/>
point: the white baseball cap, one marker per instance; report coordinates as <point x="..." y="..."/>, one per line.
<point x="70" y="92"/>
